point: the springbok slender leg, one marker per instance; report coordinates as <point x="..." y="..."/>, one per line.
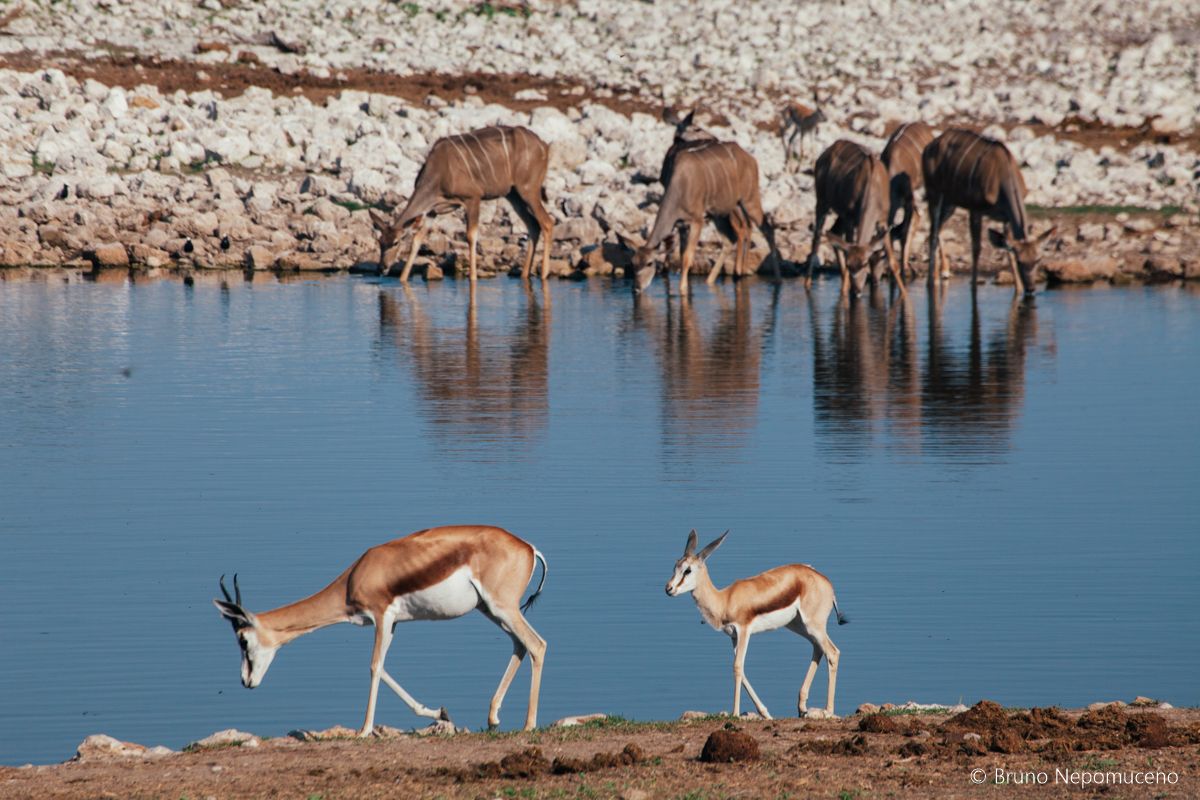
<point x="410" y="701"/>
<point x="472" y="207"/>
<point x="383" y="640"/>
<point x="525" y="640"/>
<point x="418" y="236"/>
<point x="741" y="643"/>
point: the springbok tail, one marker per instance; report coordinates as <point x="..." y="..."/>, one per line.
<point x="841" y="618"/>
<point x="528" y="604"/>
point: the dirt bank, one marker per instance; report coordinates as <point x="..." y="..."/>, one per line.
<point x="899" y="755"/>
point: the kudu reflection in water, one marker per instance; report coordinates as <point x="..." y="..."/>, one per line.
<point x="961" y="399"/>
<point x="710" y="364"/>
<point x="477" y="384"/>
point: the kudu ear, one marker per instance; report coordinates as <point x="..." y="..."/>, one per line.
<point x="627" y="243"/>
<point x="692" y="540"/>
<point x="711" y="546"/>
<point x="881" y="234"/>
<point x="998" y="239"/>
<point x="1047" y="234"/>
<point x="837" y="241"/>
<point x="379" y="219"/>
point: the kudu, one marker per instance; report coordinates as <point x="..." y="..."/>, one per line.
<point x="964" y="169"/>
<point x="465" y="170"/>
<point x="703" y="177"/>
<point x="852" y="182"/>
<point x="799" y="121"/>
<point x="902" y="157"/>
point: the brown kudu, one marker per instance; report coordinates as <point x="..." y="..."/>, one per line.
<point x="902" y="157"/>
<point x="852" y="182"/>
<point x="703" y="177"/>
<point x="964" y="169"/>
<point x="464" y="170"/>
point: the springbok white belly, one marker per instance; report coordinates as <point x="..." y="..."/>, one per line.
<point x="774" y="619"/>
<point x="451" y="598"/>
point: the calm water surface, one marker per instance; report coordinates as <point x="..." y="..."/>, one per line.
<point x="1004" y="495"/>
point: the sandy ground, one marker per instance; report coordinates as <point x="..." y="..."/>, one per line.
<point x="900" y="756"/>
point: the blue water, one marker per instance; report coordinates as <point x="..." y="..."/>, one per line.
<point x="1004" y="497"/>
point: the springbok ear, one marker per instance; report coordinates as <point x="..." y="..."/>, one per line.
<point x="234" y="613"/>
<point x="711" y="546"/>
<point x="692" y="541"/>
<point x="838" y="242"/>
<point x="1047" y="234"/>
<point x="379" y="219"/>
<point x="998" y="239"/>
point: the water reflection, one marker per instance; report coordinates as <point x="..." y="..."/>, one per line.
<point x="871" y="386"/>
<point x="476" y="385"/>
<point x="710" y="365"/>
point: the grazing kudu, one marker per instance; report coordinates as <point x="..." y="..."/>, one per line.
<point x="964" y="169"/>
<point x="434" y="574"/>
<point x="465" y="170"/>
<point x="902" y="157"/>
<point x="703" y="178"/>
<point x="852" y="182"/>
<point x="794" y="596"/>
<point x="799" y="121"/>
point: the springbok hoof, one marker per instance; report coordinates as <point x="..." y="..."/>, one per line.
<point x="443" y="714"/>
<point x="818" y="713"/>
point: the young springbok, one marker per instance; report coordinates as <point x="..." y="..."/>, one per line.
<point x="434" y="574"/>
<point x="902" y="157"/>
<point x="799" y="121"/>
<point x="794" y="596"/>
<point x="852" y="182"/>
<point x="964" y="169"/>
<point x="464" y="170"/>
<point x="703" y="177"/>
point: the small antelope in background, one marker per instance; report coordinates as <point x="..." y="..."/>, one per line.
<point x="852" y="182"/>
<point x="703" y="178"/>
<point x="799" y="121"/>
<point x="794" y="596"/>
<point x="465" y="170"/>
<point x="964" y="169"/>
<point x="434" y="574"/>
<point x="902" y="157"/>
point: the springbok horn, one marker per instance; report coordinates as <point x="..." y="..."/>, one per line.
<point x="225" y="591"/>
<point x="237" y="590"/>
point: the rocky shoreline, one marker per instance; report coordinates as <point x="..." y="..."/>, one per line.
<point x="256" y="139"/>
<point x="909" y="750"/>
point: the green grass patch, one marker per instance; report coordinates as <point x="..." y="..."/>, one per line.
<point x="490" y="10"/>
<point x="1101" y="210"/>
<point x="44" y="167"/>
<point x="1093" y="763"/>
<point x="354" y="205"/>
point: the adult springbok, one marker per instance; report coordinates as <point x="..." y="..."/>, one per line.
<point x="703" y="177"/>
<point x="799" y="121"/>
<point x="794" y="596"/>
<point x="465" y="170"/>
<point x="902" y="157"/>
<point x="964" y="169"/>
<point x="434" y="574"/>
<point x="852" y="182"/>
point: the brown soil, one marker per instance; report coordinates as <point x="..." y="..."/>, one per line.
<point x="926" y="756"/>
<point x="728" y="746"/>
<point x="128" y="70"/>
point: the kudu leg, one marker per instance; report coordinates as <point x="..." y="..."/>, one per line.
<point x="976" y="230"/>
<point x="472" y="207"/>
<point x="418" y="237"/>
<point x="814" y="254"/>
<point x="935" y="218"/>
<point x="692" y="237"/>
<point x="532" y="229"/>
<point x="533" y="200"/>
